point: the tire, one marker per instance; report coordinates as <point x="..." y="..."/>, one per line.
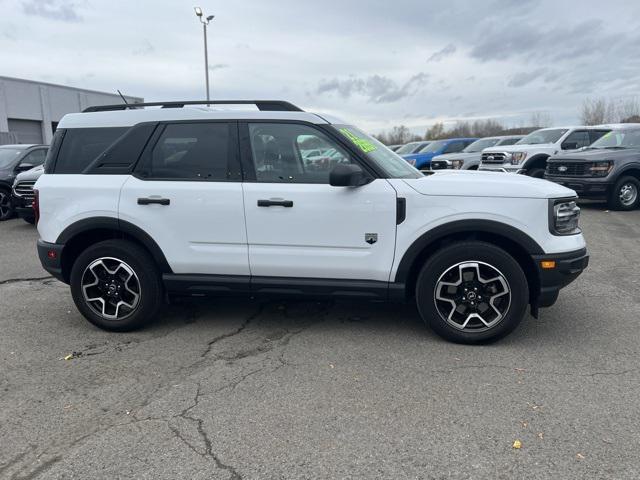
<point x="625" y="194"/>
<point x="536" y="172"/>
<point x="6" y="205"/>
<point x="473" y="263"/>
<point x="127" y="270"/>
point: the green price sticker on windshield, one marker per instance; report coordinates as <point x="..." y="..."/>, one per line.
<point x="362" y="143"/>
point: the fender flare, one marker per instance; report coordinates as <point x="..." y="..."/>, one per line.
<point x="530" y="161"/>
<point x="462" y="226"/>
<point x="116" y="225"/>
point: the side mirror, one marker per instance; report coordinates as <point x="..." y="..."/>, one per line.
<point x="23" y="167"/>
<point x="569" y="145"/>
<point x="348" y="175"/>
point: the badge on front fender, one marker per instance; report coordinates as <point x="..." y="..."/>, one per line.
<point x="371" y="238"/>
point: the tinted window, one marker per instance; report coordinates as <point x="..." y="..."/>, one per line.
<point x="543" y="136"/>
<point x="9" y="156"/>
<point x="195" y="151"/>
<point x="81" y="146"/>
<point x="595" y="135"/>
<point x="277" y="153"/>
<point x="35" y="158"/>
<point x="455" y="147"/>
<point x="509" y="141"/>
<point x="577" y="139"/>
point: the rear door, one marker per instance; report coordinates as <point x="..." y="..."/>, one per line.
<point x="187" y="195"/>
<point x="298" y="225"/>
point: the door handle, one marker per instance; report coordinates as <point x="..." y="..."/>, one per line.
<point x="152" y="200"/>
<point x="275" y="203"/>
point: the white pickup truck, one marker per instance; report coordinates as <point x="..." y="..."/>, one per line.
<point x="529" y="156"/>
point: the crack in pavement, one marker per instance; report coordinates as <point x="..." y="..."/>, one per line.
<point x="205" y="437"/>
<point x="19" y="280"/>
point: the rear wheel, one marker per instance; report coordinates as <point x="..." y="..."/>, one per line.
<point x="472" y="292"/>
<point x="625" y="195"/>
<point x="6" y="206"/>
<point x="116" y="285"/>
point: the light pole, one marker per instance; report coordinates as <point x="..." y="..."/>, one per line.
<point x="205" y="21"/>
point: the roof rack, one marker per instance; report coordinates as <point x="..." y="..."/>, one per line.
<point x="263" y="105"/>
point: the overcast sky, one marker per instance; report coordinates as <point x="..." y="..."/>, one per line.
<point x="376" y="63"/>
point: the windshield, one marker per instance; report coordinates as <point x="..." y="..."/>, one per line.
<point x="388" y="161"/>
<point x="408" y="148"/>
<point x="619" y="139"/>
<point x="543" y="136"/>
<point x="8" y="156"/>
<point x="434" y="146"/>
<point x="480" y="145"/>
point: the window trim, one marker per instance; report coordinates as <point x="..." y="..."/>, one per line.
<point x="248" y="165"/>
<point x="145" y="157"/>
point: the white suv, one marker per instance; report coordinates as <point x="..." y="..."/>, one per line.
<point x="141" y="203"/>
<point x="529" y="156"/>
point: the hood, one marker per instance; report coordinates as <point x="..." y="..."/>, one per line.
<point x="596" y="154"/>
<point x="487" y="184"/>
<point x="7" y="174"/>
<point x="520" y="148"/>
<point x="32" y="174"/>
<point x="458" y="156"/>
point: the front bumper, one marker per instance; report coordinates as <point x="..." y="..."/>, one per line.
<point x="568" y="266"/>
<point x="501" y="167"/>
<point x="50" y="255"/>
<point x="585" y="187"/>
<point x="23" y="206"/>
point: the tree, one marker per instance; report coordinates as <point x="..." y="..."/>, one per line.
<point x="596" y="111"/>
<point x="435" y="132"/>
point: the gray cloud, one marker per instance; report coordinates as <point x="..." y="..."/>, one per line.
<point x="145" y="49"/>
<point x="524" y="78"/>
<point x="445" y="52"/>
<point x="218" y="66"/>
<point x="62" y="10"/>
<point x="377" y="88"/>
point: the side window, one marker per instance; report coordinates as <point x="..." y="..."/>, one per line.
<point x="454" y="147"/>
<point x="293" y="153"/>
<point x="577" y="139"/>
<point x="81" y="146"/>
<point x="596" y="135"/>
<point x="195" y="151"/>
<point x="35" y="158"/>
<point x="509" y="141"/>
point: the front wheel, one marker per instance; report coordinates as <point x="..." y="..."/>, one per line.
<point x="625" y="195"/>
<point x="116" y="285"/>
<point x="6" y="205"/>
<point x="472" y="292"/>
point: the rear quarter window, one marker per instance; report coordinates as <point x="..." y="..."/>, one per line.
<point x="81" y="146"/>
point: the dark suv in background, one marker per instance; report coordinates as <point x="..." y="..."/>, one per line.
<point x="13" y="160"/>
<point x="609" y="169"/>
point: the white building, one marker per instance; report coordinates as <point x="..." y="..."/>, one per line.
<point x="30" y="111"/>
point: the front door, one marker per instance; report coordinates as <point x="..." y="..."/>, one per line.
<point x="187" y="195"/>
<point x="299" y="226"/>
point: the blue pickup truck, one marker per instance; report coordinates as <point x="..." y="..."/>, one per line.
<point x="422" y="159"/>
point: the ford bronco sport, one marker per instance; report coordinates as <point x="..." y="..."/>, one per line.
<point x="140" y="203"/>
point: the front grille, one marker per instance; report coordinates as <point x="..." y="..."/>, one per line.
<point x="25" y="189"/>
<point x="567" y="169"/>
<point x="439" y="165"/>
<point x="497" y="157"/>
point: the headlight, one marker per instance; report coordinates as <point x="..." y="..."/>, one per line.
<point x="457" y="164"/>
<point x="518" y="157"/>
<point x="600" y="169"/>
<point x="564" y="217"/>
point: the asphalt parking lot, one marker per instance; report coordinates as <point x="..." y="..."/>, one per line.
<point x="238" y="389"/>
